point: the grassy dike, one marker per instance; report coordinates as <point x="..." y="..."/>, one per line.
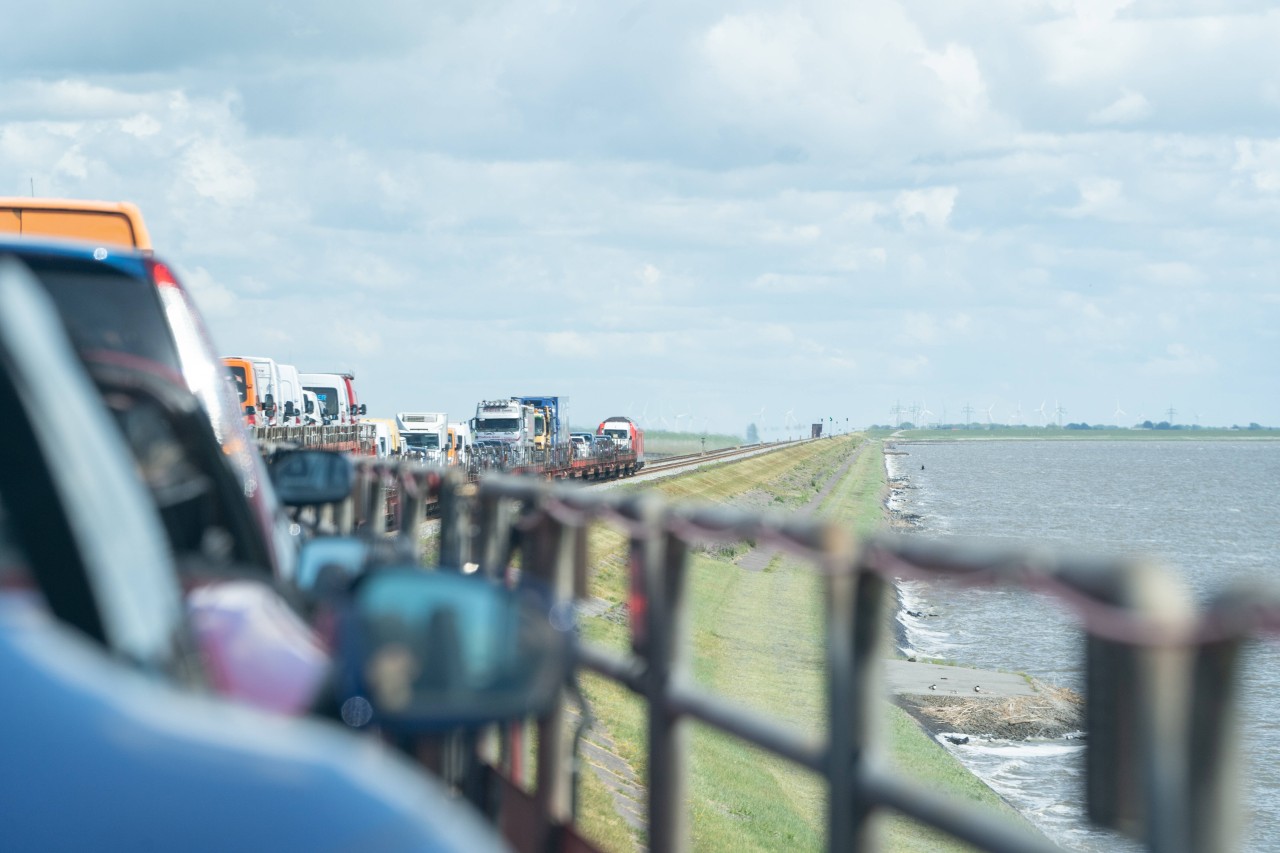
<point x="757" y="640"/>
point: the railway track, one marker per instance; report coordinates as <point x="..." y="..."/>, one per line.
<point x="656" y="469"/>
<point x="671" y="465"/>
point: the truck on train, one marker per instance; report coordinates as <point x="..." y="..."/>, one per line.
<point x="550" y="433"/>
<point x="503" y="432"/>
<point x="627" y="437"/>
<point x="425" y="435"/>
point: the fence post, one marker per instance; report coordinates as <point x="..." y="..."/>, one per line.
<point x="376" y="501"/>
<point x="456" y="524"/>
<point x="547" y="556"/>
<point x="855" y="603"/>
<point x="658" y="581"/>
<point x="411" y="501"/>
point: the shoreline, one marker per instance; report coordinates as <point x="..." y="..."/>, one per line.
<point x="1045" y="711"/>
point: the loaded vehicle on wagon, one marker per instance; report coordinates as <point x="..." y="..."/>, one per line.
<point x="504" y="431"/>
<point x="425" y="434"/>
<point x="627" y="437"/>
<point x="549" y="431"/>
<point x="336" y="393"/>
<point x="459" y="450"/>
<point x="257" y="380"/>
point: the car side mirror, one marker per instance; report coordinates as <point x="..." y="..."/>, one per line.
<point x="310" y="477"/>
<point x="424" y="651"/>
<point x="364" y="409"/>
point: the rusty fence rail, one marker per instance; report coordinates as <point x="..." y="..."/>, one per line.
<point x="1160" y="673"/>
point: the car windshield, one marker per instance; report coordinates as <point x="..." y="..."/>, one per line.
<point x="106" y="309"/>
<point x="498" y="424"/>
<point x="425" y="440"/>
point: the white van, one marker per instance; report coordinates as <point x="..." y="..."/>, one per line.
<point x="312" y="415"/>
<point x="384" y="443"/>
<point x="337" y="396"/>
<point x="290" y="400"/>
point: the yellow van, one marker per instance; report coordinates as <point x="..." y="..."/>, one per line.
<point x="106" y="222"/>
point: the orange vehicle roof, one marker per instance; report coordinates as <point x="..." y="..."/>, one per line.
<point x="115" y="222"/>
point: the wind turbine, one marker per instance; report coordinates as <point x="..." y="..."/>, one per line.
<point x="1044" y="419"/>
<point x="924" y="414"/>
<point x="678" y="417"/>
<point x="1119" y="412"/>
<point x="988" y="410"/>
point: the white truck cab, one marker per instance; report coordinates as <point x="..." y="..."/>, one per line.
<point x="425" y="435"/>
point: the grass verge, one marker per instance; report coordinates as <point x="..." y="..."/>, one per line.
<point x="757" y="640"/>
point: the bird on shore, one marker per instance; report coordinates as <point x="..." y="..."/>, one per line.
<point x="933" y="687"/>
<point x="977" y="688"/>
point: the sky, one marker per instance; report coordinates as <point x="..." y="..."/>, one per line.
<point x="699" y="214"/>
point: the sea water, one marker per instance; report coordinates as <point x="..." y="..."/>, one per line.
<point x="1210" y="509"/>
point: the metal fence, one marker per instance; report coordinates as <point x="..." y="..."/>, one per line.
<point x="1159" y="672"/>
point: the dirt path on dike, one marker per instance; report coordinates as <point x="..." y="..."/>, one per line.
<point x="757" y="559"/>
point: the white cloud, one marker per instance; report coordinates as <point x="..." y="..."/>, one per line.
<point x="1100" y="197"/>
<point x="777" y="195"/>
<point x="760" y="54"/>
<point x="217" y="173"/>
<point x="141" y="125"/>
<point x="214" y="299"/>
<point x="931" y="207"/>
<point x="908" y="368"/>
<point x="363" y="339"/>
<point x="570" y="344"/>
<point x="73" y="163"/>
<point x="918" y="328"/>
<point x="1093" y="14"/>
<point x="961" y="78"/>
<point x="1128" y="108"/>
<point x="959" y="323"/>
<point x="1179" y="361"/>
<point x="779" y="283"/>
<point x="1175" y="273"/>
<point x="1260" y="159"/>
<point x="792" y="234"/>
<point x="778" y="334"/>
